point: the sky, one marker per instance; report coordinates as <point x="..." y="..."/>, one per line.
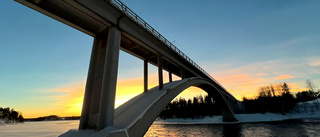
<point x="242" y="44"/>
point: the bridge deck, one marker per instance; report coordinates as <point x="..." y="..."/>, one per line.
<point x="137" y="37"/>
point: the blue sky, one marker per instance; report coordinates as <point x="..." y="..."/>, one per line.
<point x="243" y="44"/>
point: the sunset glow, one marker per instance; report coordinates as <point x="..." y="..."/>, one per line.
<point x="243" y="45"/>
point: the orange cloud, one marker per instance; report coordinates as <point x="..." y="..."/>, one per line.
<point x="67" y="99"/>
<point x="294" y="88"/>
<point x="69" y="103"/>
<point x="241" y="85"/>
<point x="261" y="74"/>
<point x="284" y="77"/>
<point x="244" y="80"/>
<point x="63" y="101"/>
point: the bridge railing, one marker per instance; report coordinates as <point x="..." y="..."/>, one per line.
<point x="133" y="16"/>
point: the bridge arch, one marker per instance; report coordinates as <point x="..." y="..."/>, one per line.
<point x="135" y="117"/>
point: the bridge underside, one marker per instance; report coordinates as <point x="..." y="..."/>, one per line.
<point x="135" y="116"/>
<point x="116" y="27"/>
<point x="94" y="17"/>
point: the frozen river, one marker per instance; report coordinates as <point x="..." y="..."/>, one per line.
<point x="299" y="127"/>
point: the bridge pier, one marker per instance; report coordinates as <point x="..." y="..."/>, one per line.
<point x="99" y="99"/>
<point x="145" y="75"/>
<point x="160" y="72"/>
<point x="182" y="73"/>
<point x="170" y="76"/>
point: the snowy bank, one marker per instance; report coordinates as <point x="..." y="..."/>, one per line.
<point x="1" y="122"/>
<point x="310" y="109"/>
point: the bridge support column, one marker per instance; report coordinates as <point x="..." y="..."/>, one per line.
<point x="145" y="75"/>
<point x="223" y="105"/>
<point x="109" y="81"/>
<point x="160" y="74"/>
<point x="98" y="104"/>
<point x="170" y="76"/>
<point x="182" y="73"/>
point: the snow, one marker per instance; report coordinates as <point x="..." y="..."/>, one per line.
<point x="310" y="109"/>
<point x="1" y="122"/>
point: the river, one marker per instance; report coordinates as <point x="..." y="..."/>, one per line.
<point x="292" y="128"/>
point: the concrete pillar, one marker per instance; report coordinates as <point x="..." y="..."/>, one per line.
<point x="91" y="99"/>
<point x="182" y="73"/>
<point x="170" y="76"/>
<point x="160" y="74"/>
<point x="109" y="81"/>
<point x="145" y="75"/>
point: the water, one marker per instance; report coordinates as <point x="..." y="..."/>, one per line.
<point x="288" y="128"/>
<point x="292" y="128"/>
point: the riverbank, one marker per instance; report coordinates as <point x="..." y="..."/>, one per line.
<point x="1" y="122"/>
<point x="7" y="121"/>
<point x="310" y="109"/>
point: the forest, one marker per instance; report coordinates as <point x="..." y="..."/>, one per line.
<point x="275" y="98"/>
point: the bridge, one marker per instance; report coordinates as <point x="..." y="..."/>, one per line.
<point x="115" y="27"/>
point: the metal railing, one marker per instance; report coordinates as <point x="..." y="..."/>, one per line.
<point x="134" y="17"/>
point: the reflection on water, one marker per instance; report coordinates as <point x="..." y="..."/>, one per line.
<point x="183" y="130"/>
<point x="291" y="128"/>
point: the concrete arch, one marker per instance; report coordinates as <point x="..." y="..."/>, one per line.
<point x="135" y="116"/>
<point x="138" y="114"/>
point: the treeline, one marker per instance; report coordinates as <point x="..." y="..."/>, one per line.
<point x="198" y="107"/>
<point x="45" y="118"/>
<point x="278" y="99"/>
<point x="10" y="115"/>
<point x="52" y="118"/>
<point x="275" y="98"/>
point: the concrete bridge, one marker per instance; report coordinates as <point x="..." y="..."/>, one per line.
<point x="114" y="26"/>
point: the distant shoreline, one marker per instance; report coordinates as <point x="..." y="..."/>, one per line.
<point x="52" y="118"/>
<point x="312" y="111"/>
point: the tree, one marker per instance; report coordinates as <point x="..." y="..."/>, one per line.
<point x="197" y="107"/>
<point x="20" y="118"/>
<point x="10" y="115"/>
<point x="272" y="90"/>
<point x="285" y="88"/>
<point x="310" y="85"/>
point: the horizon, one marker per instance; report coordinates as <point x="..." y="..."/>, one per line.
<point x="243" y="45"/>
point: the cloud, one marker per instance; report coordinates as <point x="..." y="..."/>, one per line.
<point x="64" y="100"/>
<point x="240" y="84"/>
<point x="291" y="42"/>
<point x="294" y="88"/>
<point x="241" y="80"/>
<point x="284" y="77"/>
<point x="69" y="101"/>
<point x="314" y="62"/>
<point x="245" y="79"/>
<point x="261" y="74"/>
